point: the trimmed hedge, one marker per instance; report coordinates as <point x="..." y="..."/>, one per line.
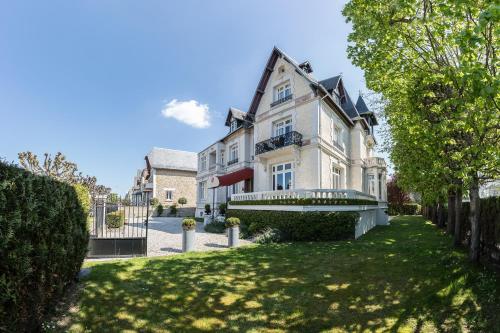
<point x="297" y="226"/>
<point x="404" y="209"/>
<point x="305" y="202"/>
<point x="43" y="241"/>
<point x="115" y="219"/>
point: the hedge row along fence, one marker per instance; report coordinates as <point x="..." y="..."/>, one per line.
<point x="43" y="241"/>
<point x="306" y="202"/>
<point x="298" y="226"/>
<point x="404" y="209"/>
<point x="489" y="220"/>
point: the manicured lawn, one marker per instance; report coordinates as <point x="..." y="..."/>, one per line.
<point x="401" y="278"/>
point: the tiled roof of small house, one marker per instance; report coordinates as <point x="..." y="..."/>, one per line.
<point x="162" y="158"/>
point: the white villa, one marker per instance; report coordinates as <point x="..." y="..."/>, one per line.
<point x="299" y="134"/>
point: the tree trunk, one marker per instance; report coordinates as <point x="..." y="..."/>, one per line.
<point x="474" y="219"/>
<point x="458" y="218"/>
<point x="450" y="226"/>
<point x="440" y="215"/>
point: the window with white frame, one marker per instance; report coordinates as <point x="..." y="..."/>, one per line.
<point x="233" y="153"/>
<point x="169" y="194"/>
<point x="282" y="176"/>
<point x="282" y="91"/>
<point x="202" y="190"/>
<point x="283" y="126"/>
<point x="336" y="178"/>
<point x="203" y="162"/>
<point x="371" y="184"/>
<point x="337" y="135"/>
<point x="234" y="125"/>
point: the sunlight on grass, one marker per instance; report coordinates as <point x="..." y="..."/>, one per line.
<point x="402" y="278"/>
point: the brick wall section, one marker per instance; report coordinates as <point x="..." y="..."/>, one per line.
<point x="184" y="183"/>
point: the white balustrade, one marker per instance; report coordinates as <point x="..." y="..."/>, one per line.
<point x="302" y="194"/>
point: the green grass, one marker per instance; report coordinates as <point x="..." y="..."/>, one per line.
<point x="402" y="278"/>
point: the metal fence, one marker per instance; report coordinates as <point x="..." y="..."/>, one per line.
<point x="118" y="228"/>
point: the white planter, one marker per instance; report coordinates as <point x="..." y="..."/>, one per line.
<point x="233" y="236"/>
<point x="188" y="240"/>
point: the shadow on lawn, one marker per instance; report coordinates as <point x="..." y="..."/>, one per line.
<point x="402" y="276"/>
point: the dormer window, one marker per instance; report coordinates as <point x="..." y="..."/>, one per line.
<point x="234" y="125"/>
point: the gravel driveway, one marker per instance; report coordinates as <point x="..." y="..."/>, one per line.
<point x="165" y="237"/>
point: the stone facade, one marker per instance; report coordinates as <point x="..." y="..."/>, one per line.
<point x="179" y="183"/>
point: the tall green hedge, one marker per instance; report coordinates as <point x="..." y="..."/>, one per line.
<point x="298" y="226"/>
<point x="404" y="209"/>
<point x="43" y="241"/>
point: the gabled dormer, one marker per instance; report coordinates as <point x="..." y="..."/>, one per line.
<point x="235" y="119"/>
<point x="366" y="113"/>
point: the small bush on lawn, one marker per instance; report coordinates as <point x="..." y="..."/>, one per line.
<point x="188" y="224"/>
<point x="268" y="236"/>
<point x="232" y="222"/>
<point x="43" y="241"/>
<point x="216" y="227"/>
<point x="159" y="209"/>
<point x="115" y="219"/>
<point x="404" y="209"/>
<point x="298" y="226"/>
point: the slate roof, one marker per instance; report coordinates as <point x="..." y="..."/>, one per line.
<point x="162" y="158"/>
<point x="236" y="113"/>
<point x="331" y="83"/>
<point x="361" y="106"/>
<point x="349" y="106"/>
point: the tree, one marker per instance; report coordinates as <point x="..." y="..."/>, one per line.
<point x="113" y="198"/>
<point x="434" y="62"/>
<point x="182" y="201"/>
<point x="395" y="194"/>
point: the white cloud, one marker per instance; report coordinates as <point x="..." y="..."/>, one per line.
<point x="190" y="112"/>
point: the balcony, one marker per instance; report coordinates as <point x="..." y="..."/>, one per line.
<point x="303" y="194"/>
<point x="232" y="162"/>
<point x="280" y="141"/>
<point x="282" y="100"/>
<point x="378" y="162"/>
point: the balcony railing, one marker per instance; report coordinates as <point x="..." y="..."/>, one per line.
<point x="282" y="100"/>
<point x="287" y="139"/>
<point x="302" y="194"/>
<point x="212" y="167"/>
<point x="232" y="162"/>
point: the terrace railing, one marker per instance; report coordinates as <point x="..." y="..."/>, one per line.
<point x="302" y="194"/>
<point x="276" y="142"/>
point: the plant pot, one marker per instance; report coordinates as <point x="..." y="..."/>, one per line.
<point x="188" y="240"/>
<point x="207" y="219"/>
<point x="233" y="236"/>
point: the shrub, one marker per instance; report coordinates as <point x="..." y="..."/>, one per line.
<point x="222" y="209"/>
<point x="404" y="209"/>
<point x="159" y="209"/>
<point x="188" y="224"/>
<point x="298" y="226"/>
<point x="207" y="209"/>
<point x="115" y="219"/>
<point x="268" y="236"/>
<point x="232" y="222"/>
<point x="154" y="202"/>
<point x="216" y="227"/>
<point x="182" y="201"/>
<point x="173" y="209"/>
<point x="43" y="241"/>
<point x="305" y="202"/>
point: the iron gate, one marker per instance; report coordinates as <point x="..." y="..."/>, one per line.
<point x="118" y="228"/>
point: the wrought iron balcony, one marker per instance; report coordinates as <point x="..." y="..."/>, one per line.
<point x="232" y="162"/>
<point x="282" y="100"/>
<point x="287" y="139"/>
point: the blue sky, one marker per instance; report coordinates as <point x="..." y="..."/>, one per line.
<point x="91" y="78"/>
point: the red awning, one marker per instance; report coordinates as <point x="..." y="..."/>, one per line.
<point x="235" y="177"/>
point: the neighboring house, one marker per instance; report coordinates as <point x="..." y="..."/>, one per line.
<point x="490" y="189"/>
<point x="169" y="175"/>
<point x="299" y="133"/>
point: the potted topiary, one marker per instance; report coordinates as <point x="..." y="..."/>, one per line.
<point x="159" y="209"/>
<point x="207" y="218"/>
<point x="173" y="210"/>
<point x="188" y="234"/>
<point x="233" y="226"/>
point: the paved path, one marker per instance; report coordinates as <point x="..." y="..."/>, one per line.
<point x="165" y="237"/>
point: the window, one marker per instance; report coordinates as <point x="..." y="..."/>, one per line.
<point x="283" y="127"/>
<point x="337" y="138"/>
<point x="203" y="162"/>
<point x="202" y="190"/>
<point x="282" y="177"/>
<point x="371" y="184"/>
<point x="234" y="125"/>
<point x="169" y="194"/>
<point x="233" y="153"/>
<point x="336" y="178"/>
<point x="283" y="91"/>
<point x="222" y="157"/>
